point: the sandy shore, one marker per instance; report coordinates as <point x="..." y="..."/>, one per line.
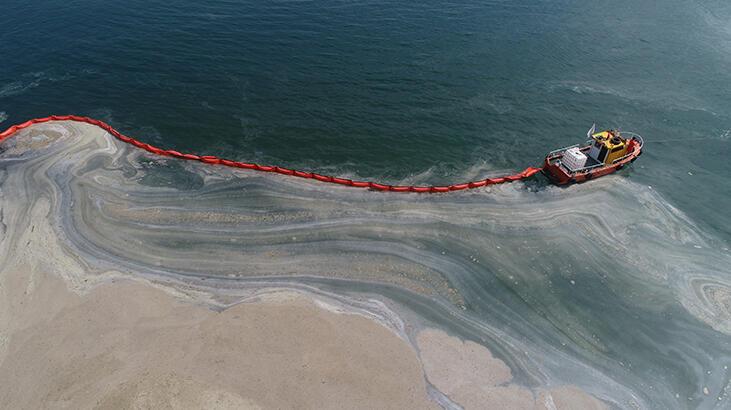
<point x="75" y="333"/>
<point x="128" y="345"/>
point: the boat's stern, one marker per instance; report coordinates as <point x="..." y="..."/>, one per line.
<point x="553" y="171"/>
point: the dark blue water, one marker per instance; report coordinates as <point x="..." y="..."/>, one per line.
<point x="393" y="90"/>
<point x="387" y="89"/>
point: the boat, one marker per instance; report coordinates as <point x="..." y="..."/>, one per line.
<point x="605" y="152"/>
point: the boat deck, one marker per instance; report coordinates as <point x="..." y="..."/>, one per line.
<point x="590" y="162"/>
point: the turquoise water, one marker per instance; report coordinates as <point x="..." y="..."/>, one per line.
<point x="442" y="92"/>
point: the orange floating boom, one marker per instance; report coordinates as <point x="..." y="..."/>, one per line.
<point x="212" y="160"/>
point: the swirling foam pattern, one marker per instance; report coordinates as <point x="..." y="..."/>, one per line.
<point x="603" y="285"/>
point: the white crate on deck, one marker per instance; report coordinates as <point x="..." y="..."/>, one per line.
<point x="573" y="159"/>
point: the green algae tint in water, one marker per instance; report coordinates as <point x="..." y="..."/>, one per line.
<point x="438" y="92"/>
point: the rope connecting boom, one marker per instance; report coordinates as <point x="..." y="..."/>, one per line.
<point x="212" y="160"/>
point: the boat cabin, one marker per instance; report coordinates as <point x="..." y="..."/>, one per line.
<point x="608" y="146"/>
